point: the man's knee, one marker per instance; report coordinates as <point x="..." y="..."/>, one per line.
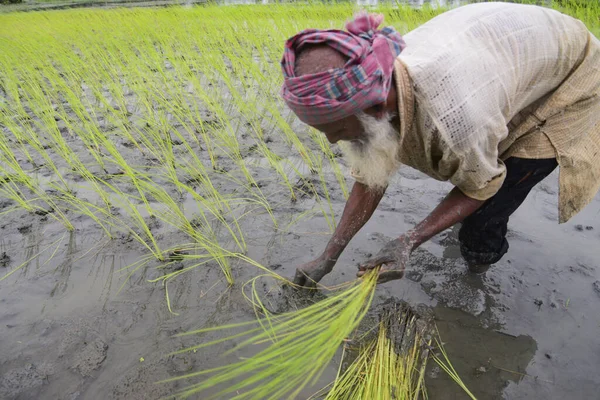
<point x="484" y="245"/>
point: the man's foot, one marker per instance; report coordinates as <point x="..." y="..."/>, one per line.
<point x="478" y="269"/>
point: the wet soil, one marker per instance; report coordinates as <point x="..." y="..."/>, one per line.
<point x="527" y="329"/>
<point x="77" y="323"/>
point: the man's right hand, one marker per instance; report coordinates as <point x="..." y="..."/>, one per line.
<point x="309" y="274"/>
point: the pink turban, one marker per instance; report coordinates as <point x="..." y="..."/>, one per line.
<point x="364" y="81"/>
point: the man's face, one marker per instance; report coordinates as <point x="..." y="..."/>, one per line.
<point x="374" y="155"/>
<point x="348" y="129"/>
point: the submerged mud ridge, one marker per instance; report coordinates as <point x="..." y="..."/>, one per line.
<point x="404" y="325"/>
<point x="397" y="317"/>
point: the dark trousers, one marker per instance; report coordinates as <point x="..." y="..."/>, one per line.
<point x="483" y="234"/>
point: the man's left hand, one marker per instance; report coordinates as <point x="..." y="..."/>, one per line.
<point x="391" y="259"/>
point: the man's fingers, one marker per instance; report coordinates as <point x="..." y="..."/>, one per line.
<point x="388" y="273"/>
<point x="300" y="278"/>
<point x="386" y="276"/>
<point x="304" y="280"/>
<point x="370" y="264"/>
<point x="383" y="265"/>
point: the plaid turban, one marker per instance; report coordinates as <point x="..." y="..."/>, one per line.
<point x="364" y="81"/>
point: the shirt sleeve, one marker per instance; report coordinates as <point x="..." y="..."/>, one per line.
<point x="478" y="172"/>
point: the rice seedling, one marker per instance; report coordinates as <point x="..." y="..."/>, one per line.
<point x="299" y="345"/>
<point x="55" y="244"/>
<point x="391" y="365"/>
<point x="446" y="365"/>
<point x="151" y="112"/>
<point x="291" y="350"/>
<point x="149" y="109"/>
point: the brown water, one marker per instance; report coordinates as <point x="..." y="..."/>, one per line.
<point x="526" y="330"/>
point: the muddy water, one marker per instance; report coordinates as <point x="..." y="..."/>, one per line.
<point x="73" y="327"/>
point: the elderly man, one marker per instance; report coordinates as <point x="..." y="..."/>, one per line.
<point x="491" y="97"/>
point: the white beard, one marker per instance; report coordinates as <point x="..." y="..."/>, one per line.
<point x="375" y="159"/>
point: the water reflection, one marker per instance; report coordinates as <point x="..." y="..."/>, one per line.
<point x="485" y="358"/>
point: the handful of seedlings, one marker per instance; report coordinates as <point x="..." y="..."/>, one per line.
<point x="384" y="359"/>
<point x="390" y="359"/>
<point x="291" y="349"/>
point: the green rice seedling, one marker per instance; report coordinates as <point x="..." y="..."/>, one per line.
<point x="252" y="195"/>
<point x="292" y="138"/>
<point x="446" y="365"/>
<point x="387" y="369"/>
<point x="174" y="215"/>
<point x="55" y="244"/>
<point x="198" y="253"/>
<point x="293" y="349"/>
<point x="10" y="190"/>
<point x="299" y="344"/>
<point x="100" y="215"/>
<point x="75" y="83"/>
<point x="165" y="281"/>
<point x="380" y="372"/>
<point x="17" y="185"/>
<point x="326" y="206"/>
<point x="275" y="163"/>
<point x="143" y="234"/>
<point x="8" y="160"/>
<point x="26" y="132"/>
<point x="216" y="210"/>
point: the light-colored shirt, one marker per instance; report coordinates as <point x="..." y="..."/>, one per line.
<point x="489" y="81"/>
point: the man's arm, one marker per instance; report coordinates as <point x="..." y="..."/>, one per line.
<point x="359" y="208"/>
<point x="453" y="209"/>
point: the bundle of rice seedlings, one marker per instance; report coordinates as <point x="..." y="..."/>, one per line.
<point x="390" y="363"/>
<point x="295" y="347"/>
<point x="299" y="345"/>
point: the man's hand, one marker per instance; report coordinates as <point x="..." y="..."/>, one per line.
<point x="309" y="274"/>
<point x="395" y="254"/>
<point x="392" y="259"/>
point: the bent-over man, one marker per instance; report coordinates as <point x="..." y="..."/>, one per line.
<point x="491" y="97"/>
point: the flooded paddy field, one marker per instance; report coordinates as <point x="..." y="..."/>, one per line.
<point x="147" y="160"/>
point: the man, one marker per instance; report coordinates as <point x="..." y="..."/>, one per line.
<point x="490" y="96"/>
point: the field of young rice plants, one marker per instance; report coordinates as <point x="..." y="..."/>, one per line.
<point x="157" y="137"/>
<point x="135" y="118"/>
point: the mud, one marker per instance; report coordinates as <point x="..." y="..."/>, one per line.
<point x="527" y="329"/>
<point x="77" y="323"/>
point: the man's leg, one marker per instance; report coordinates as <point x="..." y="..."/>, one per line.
<point x="483" y="234"/>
